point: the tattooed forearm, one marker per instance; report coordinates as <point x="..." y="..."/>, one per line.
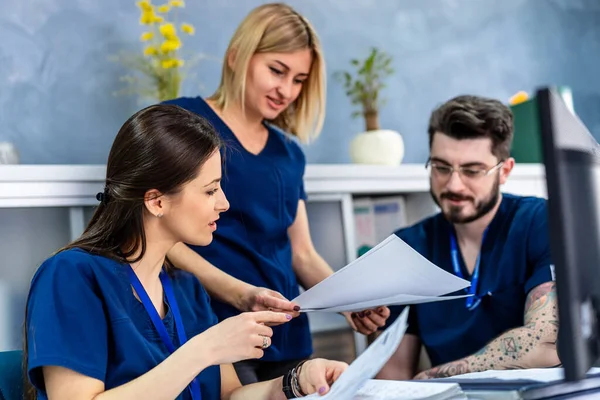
<point x="530" y="346"/>
<point x="450" y="369"/>
<point x="541" y="303"/>
<point x="510" y="346"/>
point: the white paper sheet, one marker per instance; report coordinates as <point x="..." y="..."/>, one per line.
<point x="534" y="374"/>
<point x="388" y="301"/>
<point x="391" y="268"/>
<point x="368" y="364"/>
<point x="407" y="390"/>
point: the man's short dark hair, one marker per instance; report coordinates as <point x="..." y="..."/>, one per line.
<point x="472" y="117"/>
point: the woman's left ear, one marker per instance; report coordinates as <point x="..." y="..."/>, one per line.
<point x="154" y="202"/>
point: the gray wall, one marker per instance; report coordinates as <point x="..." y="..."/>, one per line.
<point x="56" y="85"/>
<point x="28" y="236"/>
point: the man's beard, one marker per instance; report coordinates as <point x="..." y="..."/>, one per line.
<point x="455" y="215"/>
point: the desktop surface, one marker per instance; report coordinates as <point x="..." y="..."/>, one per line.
<point x="535" y="384"/>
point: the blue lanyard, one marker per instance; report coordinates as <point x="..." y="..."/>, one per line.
<point x="472" y="301"/>
<point x="158" y="323"/>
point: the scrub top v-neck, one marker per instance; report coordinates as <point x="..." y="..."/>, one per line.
<point x="251" y="242"/>
<point x="82" y="315"/>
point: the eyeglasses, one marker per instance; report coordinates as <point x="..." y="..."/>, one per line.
<point x="445" y="171"/>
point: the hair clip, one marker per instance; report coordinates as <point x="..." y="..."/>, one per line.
<point x="102" y="197"/>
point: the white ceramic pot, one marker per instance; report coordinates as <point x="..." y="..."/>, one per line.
<point x="8" y="153"/>
<point x="382" y="146"/>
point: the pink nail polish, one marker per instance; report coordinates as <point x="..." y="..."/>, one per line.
<point x="322" y="390"/>
<point x="288" y="316"/>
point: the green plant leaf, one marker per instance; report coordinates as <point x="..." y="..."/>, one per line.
<point x="363" y="87"/>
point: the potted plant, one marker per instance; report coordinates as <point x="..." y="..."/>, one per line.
<point x="158" y="69"/>
<point x="363" y="87"/>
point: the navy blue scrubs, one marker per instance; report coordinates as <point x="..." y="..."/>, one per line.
<point x="515" y="258"/>
<point x="251" y="242"/>
<point x="82" y="315"/>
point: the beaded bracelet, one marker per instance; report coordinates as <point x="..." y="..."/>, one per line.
<point x="291" y="386"/>
<point x="295" y="386"/>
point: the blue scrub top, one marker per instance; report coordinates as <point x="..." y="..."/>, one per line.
<point x="251" y="242"/>
<point x="515" y="258"/>
<point x="82" y="315"/>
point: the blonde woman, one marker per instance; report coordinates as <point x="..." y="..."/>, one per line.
<point x="272" y="86"/>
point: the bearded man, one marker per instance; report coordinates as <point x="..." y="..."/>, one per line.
<point x="497" y="241"/>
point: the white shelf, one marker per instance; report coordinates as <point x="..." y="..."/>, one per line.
<point x="50" y="185"/>
<point x="406" y="178"/>
<point x="77" y="185"/>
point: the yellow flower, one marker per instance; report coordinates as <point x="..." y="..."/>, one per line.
<point x="164" y="9"/>
<point x="145" y="5"/>
<point x="147" y="36"/>
<point x="158" y="19"/>
<point x="166" y="64"/>
<point x="172" y="63"/>
<point x="187" y="28"/>
<point x="176" y="3"/>
<point x="168" y="31"/>
<point x="150" y="51"/>
<point x="170" y="45"/>
<point x="147" y="18"/>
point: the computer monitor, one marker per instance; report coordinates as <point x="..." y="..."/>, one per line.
<point x="572" y="162"/>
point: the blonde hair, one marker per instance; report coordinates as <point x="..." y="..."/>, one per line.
<point x="277" y="28"/>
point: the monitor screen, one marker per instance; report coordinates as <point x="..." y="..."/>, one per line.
<point x="572" y="164"/>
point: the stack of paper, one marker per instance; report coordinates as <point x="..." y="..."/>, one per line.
<point x="356" y="384"/>
<point x="537" y="383"/>
<point x="368" y="364"/>
<point x="532" y="374"/>
<point x="407" y="390"/>
<point x="391" y="273"/>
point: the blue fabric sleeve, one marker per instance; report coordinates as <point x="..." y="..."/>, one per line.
<point x="302" y="193"/>
<point x="203" y="302"/>
<point x="210" y="314"/>
<point x="66" y="323"/>
<point x="538" y="250"/>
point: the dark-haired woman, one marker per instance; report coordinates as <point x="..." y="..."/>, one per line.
<point x="106" y="316"/>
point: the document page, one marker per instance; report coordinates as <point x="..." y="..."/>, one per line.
<point x="401" y="299"/>
<point x="407" y="390"/>
<point x="368" y="364"/>
<point x="392" y="268"/>
<point x="533" y="374"/>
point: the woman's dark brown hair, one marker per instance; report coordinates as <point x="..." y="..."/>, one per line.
<point x="161" y="147"/>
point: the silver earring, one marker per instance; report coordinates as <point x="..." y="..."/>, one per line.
<point x="159" y="215"/>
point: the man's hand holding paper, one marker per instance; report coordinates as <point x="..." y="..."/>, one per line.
<point x="367" y="321"/>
